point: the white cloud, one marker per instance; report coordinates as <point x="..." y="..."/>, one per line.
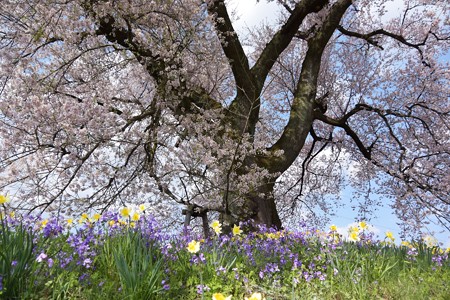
<point x="370" y="228"/>
<point x="250" y="13"/>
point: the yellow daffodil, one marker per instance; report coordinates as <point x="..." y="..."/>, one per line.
<point x="236" y="230"/>
<point x="12" y="214"/>
<point x="69" y="222"/>
<point x="363" y="225"/>
<point x="133" y="225"/>
<point x="406" y="244"/>
<point x="354" y="236"/>
<point x="336" y="238"/>
<point x="44" y="223"/>
<point x="216" y="226"/>
<point x="111" y="223"/>
<point x="219" y="296"/>
<point x="353" y="229"/>
<point x="255" y="296"/>
<point x="430" y="241"/>
<point x="96" y="217"/>
<point x="435" y="250"/>
<point x="273" y="236"/>
<point x="135" y="217"/>
<point x="333" y="227"/>
<point x="142" y="207"/>
<point x="390" y="235"/>
<point x="193" y="246"/>
<point x="125" y="212"/>
<point x="4" y="199"/>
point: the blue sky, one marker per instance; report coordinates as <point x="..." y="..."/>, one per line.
<point x="382" y="220"/>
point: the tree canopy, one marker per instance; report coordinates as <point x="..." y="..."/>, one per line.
<point x="107" y="102"/>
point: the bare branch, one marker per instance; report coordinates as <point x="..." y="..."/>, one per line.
<point x="301" y="116"/>
<point x="369" y="38"/>
<point x="283" y="37"/>
<point x="230" y="44"/>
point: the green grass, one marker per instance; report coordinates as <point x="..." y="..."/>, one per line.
<point x="135" y="260"/>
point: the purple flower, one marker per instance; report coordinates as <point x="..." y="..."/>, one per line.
<point x="272" y="268"/>
<point x="220" y="270"/>
<point x="165" y="285"/>
<point x="201" y="288"/>
<point x="83" y="277"/>
<point x="87" y="263"/>
<point x="50" y="262"/>
<point x="52" y="228"/>
<point x="412" y="253"/>
<point x="439" y="259"/>
<point x="41" y="257"/>
<point x="307" y="276"/>
<point x="66" y="261"/>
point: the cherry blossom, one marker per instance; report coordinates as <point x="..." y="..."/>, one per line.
<point x="111" y="103"/>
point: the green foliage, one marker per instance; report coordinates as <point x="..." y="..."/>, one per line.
<point x="17" y="262"/>
<point x="135" y="262"/>
<point x="132" y="261"/>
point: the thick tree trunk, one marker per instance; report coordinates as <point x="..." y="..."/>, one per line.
<point x="257" y="206"/>
<point x="265" y="211"/>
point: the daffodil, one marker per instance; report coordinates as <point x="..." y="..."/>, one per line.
<point x="406" y="244"/>
<point x="363" y="225"/>
<point x="333" y="227"/>
<point x="135" y="217"/>
<point x="430" y="241"/>
<point x="125" y="212"/>
<point x="4" y="199"/>
<point x="236" y="230"/>
<point x="219" y="296"/>
<point x="390" y="235"/>
<point x="142" y="207"/>
<point x="354" y="236"/>
<point x="111" y="223"/>
<point x="44" y="223"/>
<point x="353" y="229"/>
<point x="69" y="222"/>
<point x="193" y="246"/>
<point x="255" y="296"/>
<point x="272" y="235"/>
<point x="96" y="217"/>
<point x="216" y="226"/>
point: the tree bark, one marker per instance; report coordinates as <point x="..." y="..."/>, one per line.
<point x="266" y="212"/>
<point x="258" y="206"/>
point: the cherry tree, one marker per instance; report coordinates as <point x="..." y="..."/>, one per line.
<point x="111" y="102"/>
